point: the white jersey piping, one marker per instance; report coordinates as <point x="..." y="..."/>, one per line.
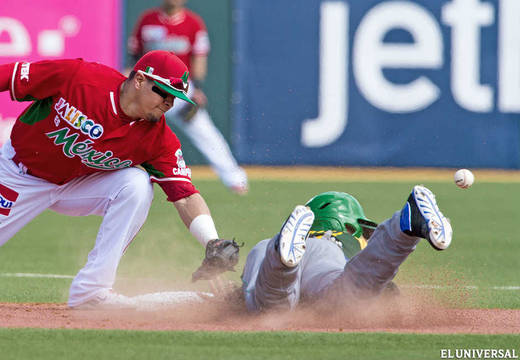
<point x="12" y="81"/>
<point x="113" y="102"/>
<point x="169" y="179"/>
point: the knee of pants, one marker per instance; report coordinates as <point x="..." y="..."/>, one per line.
<point x="137" y="188"/>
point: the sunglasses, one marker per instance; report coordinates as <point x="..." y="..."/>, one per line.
<point x="160" y="92"/>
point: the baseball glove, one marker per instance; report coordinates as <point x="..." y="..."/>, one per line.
<point x="221" y="256"/>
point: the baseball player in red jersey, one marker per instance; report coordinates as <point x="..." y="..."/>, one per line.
<point x="175" y="28"/>
<point x="75" y="149"/>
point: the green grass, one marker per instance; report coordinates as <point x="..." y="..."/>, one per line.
<point x="104" y="344"/>
<point x="484" y="252"/>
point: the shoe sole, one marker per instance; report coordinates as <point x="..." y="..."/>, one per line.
<point x="294" y="234"/>
<point x="439" y="227"/>
<point x="125" y="303"/>
<point x="105" y="306"/>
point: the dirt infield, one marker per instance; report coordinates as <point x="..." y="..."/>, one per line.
<point x="411" y="314"/>
<point x="405" y="318"/>
<point x="380" y="174"/>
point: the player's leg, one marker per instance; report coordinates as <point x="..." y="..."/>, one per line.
<point x="254" y="261"/>
<point x="123" y="198"/>
<point x="22" y="198"/>
<point x="369" y="272"/>
<point x="322" y="264"/>
<point x="209" y="141"/>
<point x="272" y="273"/>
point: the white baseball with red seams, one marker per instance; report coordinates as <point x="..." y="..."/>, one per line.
<point x="464" y="178"/>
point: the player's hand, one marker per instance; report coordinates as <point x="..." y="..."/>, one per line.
<point x="199" y="97"/>
<point x="188" y="110"/>
<point x="221" y="256"/>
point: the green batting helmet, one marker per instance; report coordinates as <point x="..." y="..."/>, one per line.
<point x="339" y="211"/>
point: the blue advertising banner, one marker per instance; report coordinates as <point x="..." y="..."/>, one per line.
<point x="375" y="82"/>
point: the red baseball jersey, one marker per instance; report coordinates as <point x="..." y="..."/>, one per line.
<point x="75" y="126"/>
<point x="183" y="33"/>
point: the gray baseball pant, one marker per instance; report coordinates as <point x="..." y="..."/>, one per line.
<point x="323" y="271"/>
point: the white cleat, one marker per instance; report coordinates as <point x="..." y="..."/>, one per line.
<point x="422" y="217"/>
<point x="293" y="235"/>
<point x="110" y="301"/>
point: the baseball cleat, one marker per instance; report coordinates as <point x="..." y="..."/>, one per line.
<point x="421" y="217"/>
<point x="293" y="235"/>
<point x="109" y="301"/>
<point x="242" y="189"/>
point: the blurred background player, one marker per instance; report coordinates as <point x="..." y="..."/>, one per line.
<point x="174" y="28"/>
<point x="329" y="250"/>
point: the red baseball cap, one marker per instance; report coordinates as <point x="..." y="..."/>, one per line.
<point x="167" y="71"/>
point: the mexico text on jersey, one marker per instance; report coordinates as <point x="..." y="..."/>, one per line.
<point x="75" y="126"/>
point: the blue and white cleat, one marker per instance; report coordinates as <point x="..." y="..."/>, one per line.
<point x="421" y="217"/>
<point x="293" y="235"/>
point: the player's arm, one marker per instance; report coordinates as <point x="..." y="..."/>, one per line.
<point x="5" y="74"/>
<point x="134" y="44"/>
<point x="38" y="80"/>
<point x="195" y="214"/>
<point x="191" y="206"/>
<point x="135" y="40"/>
<point x="199" y="68"/>
<point x="221" y="254"/>
<point x="170" y="172"/>
<point x="199" y="62"/>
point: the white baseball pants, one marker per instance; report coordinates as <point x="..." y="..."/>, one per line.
<point x="207" y="138"/>
<point x="121" y="197"/>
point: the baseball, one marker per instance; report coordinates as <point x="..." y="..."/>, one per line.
<point x="464" y="178"/>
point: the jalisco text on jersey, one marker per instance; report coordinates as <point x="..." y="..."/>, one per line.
<point x="83" y="149"/>
<point x="77" y="119"/>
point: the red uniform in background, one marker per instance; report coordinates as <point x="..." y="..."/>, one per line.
<point x="184" y="33"/>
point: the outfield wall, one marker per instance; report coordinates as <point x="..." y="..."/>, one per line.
<point x="317" y="82"/>
<point x="370" y="83"/>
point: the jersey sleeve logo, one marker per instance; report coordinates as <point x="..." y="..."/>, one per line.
<point x="180" y="159"/>
<point x="181" y="168"/>
<point x="24" y="71"/>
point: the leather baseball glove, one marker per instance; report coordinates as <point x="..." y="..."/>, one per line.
<point x="221" y="256"/>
